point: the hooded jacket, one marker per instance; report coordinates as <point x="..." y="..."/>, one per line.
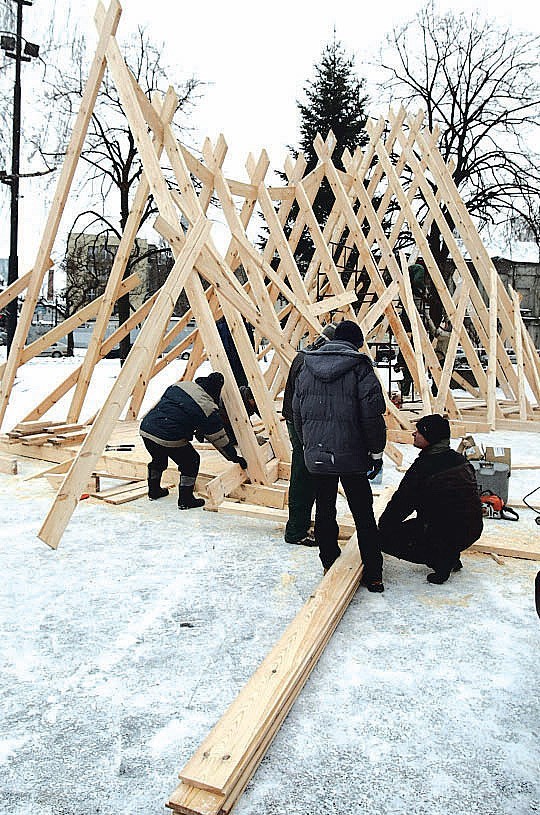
<point x="338" y="408"/>
<point x="294" y="370"/>
<point x="184" y="408"/>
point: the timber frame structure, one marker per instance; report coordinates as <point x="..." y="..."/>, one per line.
<point x="283" y="306"/>
<point x="399" y="174"/>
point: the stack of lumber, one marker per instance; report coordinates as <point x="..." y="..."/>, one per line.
<point x="217" y="774"/>
<point x="39" y="433"/>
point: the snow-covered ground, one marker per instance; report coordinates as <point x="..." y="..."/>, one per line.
<point x="121" y="649"/>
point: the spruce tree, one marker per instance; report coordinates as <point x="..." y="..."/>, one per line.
<point x="335" y="100"/>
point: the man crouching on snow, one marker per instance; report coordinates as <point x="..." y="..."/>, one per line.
<point x="167" y="430"/>
<point x="441" y="486"/>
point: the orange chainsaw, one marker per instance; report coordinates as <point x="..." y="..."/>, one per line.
<point x="493" y="506"/>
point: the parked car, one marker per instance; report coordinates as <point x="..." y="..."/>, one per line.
<point x="56" y="350"/>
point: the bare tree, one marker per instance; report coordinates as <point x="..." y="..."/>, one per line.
<point x="91" y="248"/>
<point x="110" y="153"/>
<point x="479" y="84"/>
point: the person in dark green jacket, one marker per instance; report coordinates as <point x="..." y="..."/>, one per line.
<point x="301" y="485"/>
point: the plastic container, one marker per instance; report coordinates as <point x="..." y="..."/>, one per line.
<point x="493" y="476"/>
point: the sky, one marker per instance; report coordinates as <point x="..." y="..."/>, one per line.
<point x="255" y="60"/>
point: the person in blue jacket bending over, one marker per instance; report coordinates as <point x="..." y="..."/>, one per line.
<point x="168" y="428"/>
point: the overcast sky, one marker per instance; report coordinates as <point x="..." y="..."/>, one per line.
<point x="255" y="57"/>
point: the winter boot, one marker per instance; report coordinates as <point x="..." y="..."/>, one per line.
<point x="438" y="578"/>
<point x="375" y="585"/>
<point x="155" y="490"/>
<point x="186" y="499"/>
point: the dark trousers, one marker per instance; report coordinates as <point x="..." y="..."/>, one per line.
<point x="360" y="499"/>
<point x="186" y="458"/>
<point x="301" y="492"/>
<point x="407" y="541"/>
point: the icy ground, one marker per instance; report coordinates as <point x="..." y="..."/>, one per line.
<point x="120" y="650"/>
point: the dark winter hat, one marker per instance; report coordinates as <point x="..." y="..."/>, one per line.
<point x="329" y="331"/>
<point x="248" y="399"/>
<point x="212" y="384"/>
<point x="327" y="334"/>
<point x="348" y="331"/>
<point x="434" y="428"/>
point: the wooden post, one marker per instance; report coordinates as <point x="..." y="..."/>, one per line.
<point x="457" y="328"/>
<point x="519" y="354"/>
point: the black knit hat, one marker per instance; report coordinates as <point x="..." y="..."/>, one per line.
<point x="212" y="384"/>
<point x="327" y="334"/>
<point x="434" y="428"/>
<point x="248" y="399"/>
<point x="348" y="331"/>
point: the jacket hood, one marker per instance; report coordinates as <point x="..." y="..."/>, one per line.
<point x="334" y="360"/>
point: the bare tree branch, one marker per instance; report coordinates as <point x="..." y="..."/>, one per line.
<point x="479" y="84"/>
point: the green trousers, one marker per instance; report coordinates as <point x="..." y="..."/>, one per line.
<point x="301" y="492"/>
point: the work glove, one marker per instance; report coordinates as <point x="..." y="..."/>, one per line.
<point x="242" y="462"/>
<point x="376" y="467"/>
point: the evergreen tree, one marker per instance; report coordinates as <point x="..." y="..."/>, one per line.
<point x="335" y="100"/>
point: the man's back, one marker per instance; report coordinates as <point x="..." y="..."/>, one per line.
<point x="338" y="409"/>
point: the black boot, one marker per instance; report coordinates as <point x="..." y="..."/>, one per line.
<point x="155" y="490"/>
<point x="186" y="499"/>
<point x="438" y="578"/>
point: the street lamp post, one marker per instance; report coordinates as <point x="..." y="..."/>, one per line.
<point x="30" y="50"/>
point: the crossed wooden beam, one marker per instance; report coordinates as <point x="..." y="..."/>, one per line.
<point x="398" y="175"/>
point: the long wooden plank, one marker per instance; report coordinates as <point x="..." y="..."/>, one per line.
<point x="506" y="550"/>
<point x="220" y="762"/>
<point x="129" y="233"/>
<point x="267" y="684"/>
<point x="519" y="354"/>
<point x="414" y="318"/>
<point x="457" y="326"/>
<point x="190" y="800"/>
<point x="217" y="765"/>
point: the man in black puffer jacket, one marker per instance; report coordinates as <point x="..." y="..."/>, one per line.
<point x="338" y="408"/>
<point x="167" y="430"/>
<point x="441" y="486"/>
